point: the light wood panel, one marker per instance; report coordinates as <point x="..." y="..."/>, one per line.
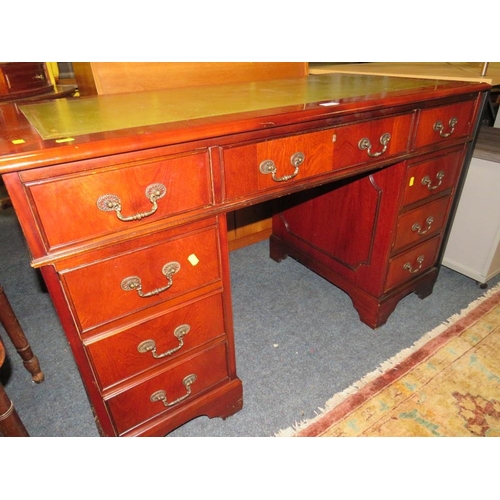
<point x="119" y="77"/>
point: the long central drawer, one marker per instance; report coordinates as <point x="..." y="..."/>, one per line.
<point x="271" y="165"/>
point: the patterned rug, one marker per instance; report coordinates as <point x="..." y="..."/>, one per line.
<point x="447" y="384"/>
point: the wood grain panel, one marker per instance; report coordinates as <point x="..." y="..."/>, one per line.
<point x="412" y="263"/>
<point x="417" y="188"/>
<point x="116" y="357"/>
<point x="430" y="219"/>
<point x="134" y="406"/>
<point x="242" y="172"/>
<point x="347" y="140"/>
<point x="119" y="77"/>
<point x="463" y="113"/>
<point x="95" y="292"/>
<point x="74" y="197"/>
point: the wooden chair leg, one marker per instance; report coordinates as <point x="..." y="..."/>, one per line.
<point x="16" y="335"/>
<point x="10" y="423"/>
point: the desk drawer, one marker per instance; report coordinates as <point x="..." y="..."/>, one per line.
<point x="421" y="223"/>
<point x="180" y="383"/>
<point x="412" y="263"/>
<point x="445" y="123"/>
<point x="270" y="165"/>
<point x="370" y="141"/>
<point x="76" y="207"/>
<point x="156" y="341"/>
<point x="273" y="164"/>
<point x="107" y="289"/>
<point x="431" y="177"/>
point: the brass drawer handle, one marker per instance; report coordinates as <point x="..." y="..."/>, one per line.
<point x="269" y="167"/>
<point x="365" y="144"/>
<point x="110" y="202"/>
<point x="134" y="282"/>
<point x="409" y="267"/>
<point x="150" y="345"/>
<point x="418" y="228"/>
<point x="426" y="181"/>
<point x="439" y="127"/>
<point x="162" y="395"/>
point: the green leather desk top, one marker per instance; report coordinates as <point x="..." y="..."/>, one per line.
<point x="88" y="115"/>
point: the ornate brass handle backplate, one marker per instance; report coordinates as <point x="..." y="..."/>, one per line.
<point x="269" y="167"/>
<point x="162" y="395"/>
<point x="134" y="282"/>
<point x="111" y="202"/>
<point x="365" y="144"/>
<point x="439" y="127"/>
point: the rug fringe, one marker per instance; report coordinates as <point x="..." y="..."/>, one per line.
<point x="338" y="398"/>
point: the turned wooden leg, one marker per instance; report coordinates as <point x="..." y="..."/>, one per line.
<point x="16" y="335"/>
<point x="10" y="423"/>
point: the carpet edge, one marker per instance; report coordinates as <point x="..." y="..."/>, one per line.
<point x="387" y="365"/>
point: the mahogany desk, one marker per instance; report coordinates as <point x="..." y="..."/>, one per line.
<point x="123" y="200"/>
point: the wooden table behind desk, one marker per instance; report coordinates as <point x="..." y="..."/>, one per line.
<point x="466" y="71"/>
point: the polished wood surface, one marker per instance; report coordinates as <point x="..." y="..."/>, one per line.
<point x="415" y="191"/>
<point x="80" y="281"/>
<point x="330" y="155"/>
<point x="83" y="127"/>
<point x="183" y="107"/>
<point x="118" y="357"/>
<point x="23" y="82"/>
<point x="246" y="226"/>
<point x="399" y="228"/>
<point x="171" y="172"/>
